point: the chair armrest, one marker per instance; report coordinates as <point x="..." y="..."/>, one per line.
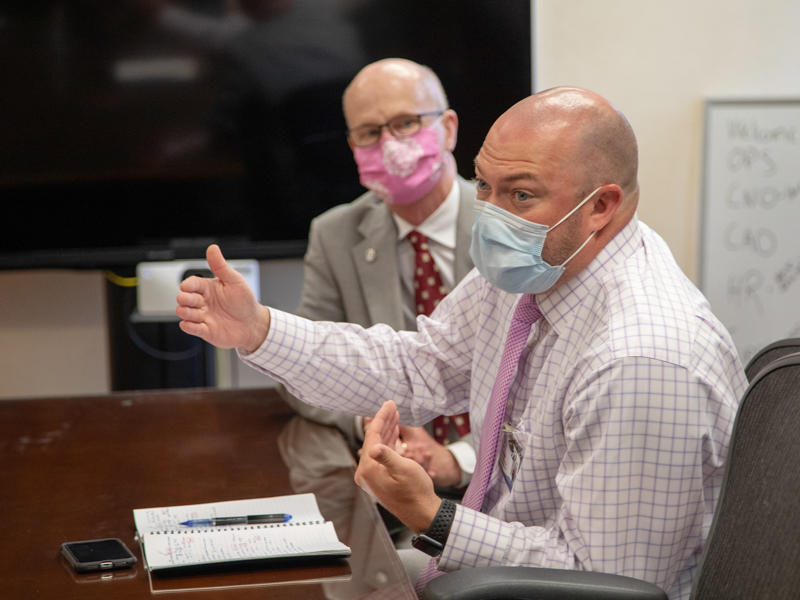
<point x="515" y="583"/>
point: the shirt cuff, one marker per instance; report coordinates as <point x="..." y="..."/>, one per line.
<point x="359" y="424"/>
<point x="475" y="540"/>
<point x="464" y="454"/>
<point x="286" y="350"/>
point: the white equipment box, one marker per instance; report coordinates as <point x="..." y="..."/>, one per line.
<point x="158" y="283"/>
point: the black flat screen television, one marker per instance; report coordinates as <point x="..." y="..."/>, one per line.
<point x="139" y="130"/>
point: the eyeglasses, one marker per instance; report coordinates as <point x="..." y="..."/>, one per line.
<point x="402" y="126"/>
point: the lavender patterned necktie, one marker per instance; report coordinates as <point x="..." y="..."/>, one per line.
<point x="525" y="315"/>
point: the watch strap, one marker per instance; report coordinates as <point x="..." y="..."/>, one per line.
<point x="432" y="541"/>
<point x="440" y="526"/>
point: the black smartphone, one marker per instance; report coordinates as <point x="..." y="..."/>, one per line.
<point x="98" y="555"/>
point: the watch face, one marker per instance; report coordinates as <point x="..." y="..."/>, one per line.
<point x="427" y="545"/>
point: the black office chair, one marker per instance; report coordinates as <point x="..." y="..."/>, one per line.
<point x="767" y="355"/>
<point x="753" y="549"/>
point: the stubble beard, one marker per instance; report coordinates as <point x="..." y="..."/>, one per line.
<point x="558" y="248"/>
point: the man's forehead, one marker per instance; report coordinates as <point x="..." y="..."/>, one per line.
<point x="514" y="142"/>
<point x="391" y="88"/>
<point x="507" y="169"/>
<point x="515" y="128"/>
<point x="517" y="153"/>
<point x="384" y="102"/>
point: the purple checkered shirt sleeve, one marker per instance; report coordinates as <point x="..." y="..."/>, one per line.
<point x="625" y="396"/>
<point x="355" y="370"/>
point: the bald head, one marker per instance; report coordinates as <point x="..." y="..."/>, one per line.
<point x="389" y="81"/>
<point x="586" y="130"/>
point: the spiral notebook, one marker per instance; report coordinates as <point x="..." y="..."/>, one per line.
<point x="166" y="544"/>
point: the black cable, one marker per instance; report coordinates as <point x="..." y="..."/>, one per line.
<point x="128" y="310"/>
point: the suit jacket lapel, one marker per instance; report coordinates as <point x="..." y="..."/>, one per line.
<point x="464" y="228"/>
<point x="375" y="258"/>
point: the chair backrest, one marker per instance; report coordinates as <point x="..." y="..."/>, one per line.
<point x="767" y="355"/>
<point x="753" y="549"/>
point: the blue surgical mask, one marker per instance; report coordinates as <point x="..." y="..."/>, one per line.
<point x="507" y="249"/>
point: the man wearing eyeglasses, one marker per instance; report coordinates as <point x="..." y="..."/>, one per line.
<point x="394" y="252"/>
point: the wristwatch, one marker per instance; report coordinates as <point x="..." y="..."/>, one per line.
<point x="432" y="541"/>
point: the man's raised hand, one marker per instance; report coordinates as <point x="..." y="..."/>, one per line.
<point x="223" y="311"/>
<point x="400" y="484"/>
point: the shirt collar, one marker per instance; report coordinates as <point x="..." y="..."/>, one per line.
<point x="440" y="226"/>
<point x="557" y="305"/>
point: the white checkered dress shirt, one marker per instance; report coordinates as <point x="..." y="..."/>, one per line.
<point x="626" y="393"/>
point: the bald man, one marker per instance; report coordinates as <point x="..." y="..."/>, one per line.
<point x="602" y="387"/>
<point x="361" y="262"/>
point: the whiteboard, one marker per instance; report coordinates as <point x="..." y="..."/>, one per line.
<point x="750" y="222"/>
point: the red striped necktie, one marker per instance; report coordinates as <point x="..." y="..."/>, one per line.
<point x="428" y="293"/>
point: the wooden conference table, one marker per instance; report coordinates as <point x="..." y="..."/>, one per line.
<point x="75" y="468"/>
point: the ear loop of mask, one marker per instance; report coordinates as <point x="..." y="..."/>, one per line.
<point x="578" y="250"/>
<point x="567" y="216"/>
<point x="439" y="119"/>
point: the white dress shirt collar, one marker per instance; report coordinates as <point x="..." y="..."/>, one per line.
<point x="440" y="226"/>
<point x="557" y="305"/>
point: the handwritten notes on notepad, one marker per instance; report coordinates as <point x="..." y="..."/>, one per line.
<point x="168" y="544"/>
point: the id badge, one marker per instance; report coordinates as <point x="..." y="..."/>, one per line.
<point x="515" y="442"/>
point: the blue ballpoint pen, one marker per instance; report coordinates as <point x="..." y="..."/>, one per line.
<point x="227" y="521"/>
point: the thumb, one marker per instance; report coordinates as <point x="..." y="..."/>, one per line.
<point x="220" y="267"/>
<point x="385" y="456"/>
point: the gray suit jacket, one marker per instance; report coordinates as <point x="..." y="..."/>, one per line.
<point x="351" y="275"/>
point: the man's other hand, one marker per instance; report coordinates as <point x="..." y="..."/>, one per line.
<point x="440" y="464"/>
<point x="400" y="484"/>
<point x="223" y="311"/>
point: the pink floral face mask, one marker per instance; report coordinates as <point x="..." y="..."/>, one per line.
<point x="401" y="170"/>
